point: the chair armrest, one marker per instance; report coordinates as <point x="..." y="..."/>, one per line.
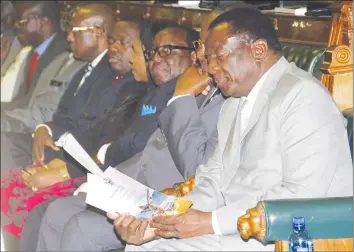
<point x="326" y="218"/>
<point x="180" y="189"/>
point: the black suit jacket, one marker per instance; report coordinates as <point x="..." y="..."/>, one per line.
<point x="56" y="47"/>
<point x="129" y="96"/>
<point x="94" y="99"/>
<point x="113" y="125"/>
<point x="144" y="123"/>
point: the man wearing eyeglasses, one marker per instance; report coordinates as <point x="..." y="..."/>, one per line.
<point x="274" y="140"/>
<point x="156" y="165"/>
<point x="93" y="84"/>
<point x="38" y="24"/>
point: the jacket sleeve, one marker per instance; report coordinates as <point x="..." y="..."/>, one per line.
<point x="313" y="143"/>
<point x="190" y="141"/>
<point x="132" y="141"/>
<point x="26" y="119"/>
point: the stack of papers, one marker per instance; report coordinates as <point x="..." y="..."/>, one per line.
<point x="114" y="192"/>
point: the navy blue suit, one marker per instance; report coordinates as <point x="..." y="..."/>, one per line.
<point x="144" y="123"/>
<point x="94" y="99"/>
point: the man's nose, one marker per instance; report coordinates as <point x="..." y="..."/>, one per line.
<point x="113" y="49"/>
<point x="212" y="66"/>
<point x="156" y="57"/>
<point x="70" y="37"/>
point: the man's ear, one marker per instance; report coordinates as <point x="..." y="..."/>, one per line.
<point x="45" y="20"/>
<point x="194" y="58"/>
<point x="260" y="49"/>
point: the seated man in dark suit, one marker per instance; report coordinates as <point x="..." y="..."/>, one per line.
<point x="37" y="23"/>
<point x="90" y="94"/>
<point x="133" y="137"/>
<point x="185" y="138"/>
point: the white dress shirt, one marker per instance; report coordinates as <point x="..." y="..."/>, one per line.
<point x="93" y="64"/>
<point x="246" y="104"/>
<point x="10" y="84"/>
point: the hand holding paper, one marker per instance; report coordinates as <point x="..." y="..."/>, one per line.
<point x="114" y="192"/>
<point x="73" y="147"/>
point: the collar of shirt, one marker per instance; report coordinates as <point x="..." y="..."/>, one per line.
<point x="252" y="96"/>
<point x="248" y="101"/>
<point x="43" y="47"/>
<point x="97" y="60"/>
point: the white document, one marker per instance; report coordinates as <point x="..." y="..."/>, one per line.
<point x="115" y="192"/>
<point x="73" y="147"/>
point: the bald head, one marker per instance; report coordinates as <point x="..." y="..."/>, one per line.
<point x="99" y="15"/>
<point x="90" y="27"/>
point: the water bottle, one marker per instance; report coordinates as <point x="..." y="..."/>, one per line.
<point x="300" y="239"/>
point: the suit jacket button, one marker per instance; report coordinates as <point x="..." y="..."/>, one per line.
<point x="143" y="167"/>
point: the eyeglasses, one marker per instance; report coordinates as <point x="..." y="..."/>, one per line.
<point x="196" y="44"/>
<point x="223" y="52"/>
<point x="163" y="51"/>
<point x="78" y="29"/>
<point x="121" y="42"/>
<point x="26" y="20"/>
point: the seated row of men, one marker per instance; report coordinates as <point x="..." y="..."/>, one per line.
<point x="142" y="98"/>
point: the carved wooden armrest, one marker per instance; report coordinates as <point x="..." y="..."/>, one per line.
<point x="180" y="189"/>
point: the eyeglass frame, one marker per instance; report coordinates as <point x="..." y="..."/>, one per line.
<point x="157" y="49"/>
<point x="230" y="51"/>
<point x="26" y="20"/>
<point x="196" y="44"/>
<point x="112" y="41"/>
<point x="81" y="28"/>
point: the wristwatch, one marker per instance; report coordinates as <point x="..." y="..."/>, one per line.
<point x="64" y="172"/>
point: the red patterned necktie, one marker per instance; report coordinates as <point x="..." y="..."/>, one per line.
<point x="32" y="67"/>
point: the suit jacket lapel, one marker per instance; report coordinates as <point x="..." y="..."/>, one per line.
<point x="232" y="144"/>
<point x="102" y="67"/>
<point x="263" y="96"/>
<point x="57" y="46"/>
<point x="268" y="87"/>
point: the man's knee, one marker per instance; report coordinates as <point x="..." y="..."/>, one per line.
<point x="61" y="210"/>
<point x="93" y="230"/>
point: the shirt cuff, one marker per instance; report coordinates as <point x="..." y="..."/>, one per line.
<point x="102" y="153"/>
<point x="43" y="125"/>
<point x="175" y="98"/>
<point x="60" y="142"/>
<point x="215" y="223"/>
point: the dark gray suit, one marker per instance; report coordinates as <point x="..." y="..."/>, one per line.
<point x="154" y="166"/>
<point x="51" y="85"/>
<point x="56" y="47"/>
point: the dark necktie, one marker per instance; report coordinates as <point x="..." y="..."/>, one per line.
<point x="33" y="64"/>
<point x="214" y="93"/>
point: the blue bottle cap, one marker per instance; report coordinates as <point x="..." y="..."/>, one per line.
<point x="298" y="223"/>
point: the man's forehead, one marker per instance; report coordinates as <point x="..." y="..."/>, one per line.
<point x="87" y="20"/>
<point x="170" y="36"/>
<point x="218" y="35"/>
<point x="125" y="28"/>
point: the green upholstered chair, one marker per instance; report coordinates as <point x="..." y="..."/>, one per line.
<point x="308" y="58"/>
<point x="348" y="114"/>
<point x="328" y="220"/>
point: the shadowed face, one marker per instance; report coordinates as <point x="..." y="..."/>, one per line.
<point x="84" y="35"/>
<point x="120" y="46"/>
<point x="28" y="24"/>
<point x="169" y="66"/>
<point x="231" y="61"/>
<point x="137" y="61"/>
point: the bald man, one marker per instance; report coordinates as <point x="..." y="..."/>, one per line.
<point x="89" y="95"/>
